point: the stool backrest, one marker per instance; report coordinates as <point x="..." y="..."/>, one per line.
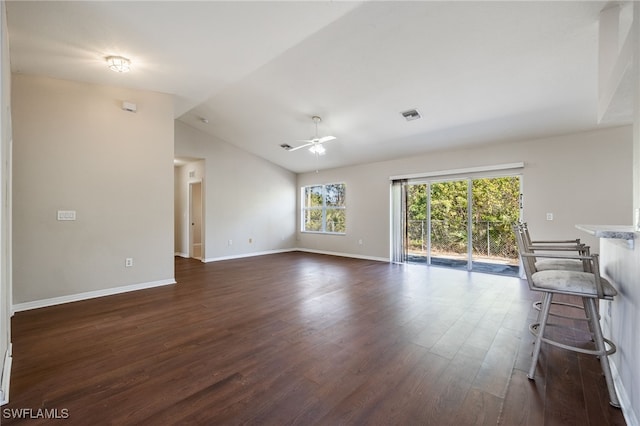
<point x="546" y="246"/>
<point x="528" y="262"/>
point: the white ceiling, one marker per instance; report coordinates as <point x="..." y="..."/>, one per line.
<point x="478" y="72"/>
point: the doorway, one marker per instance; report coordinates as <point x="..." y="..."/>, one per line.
<point x="462" y="223"/>
<point x="195" y="220"/>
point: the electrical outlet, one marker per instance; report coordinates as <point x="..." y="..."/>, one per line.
<point x="250" y="240"/>
<point x="128" y="262"/>
<point x="549" y="216"/>
<point x="230" y="243"/>
<point x="66" y="215"/>
<point x="360" y="242"/>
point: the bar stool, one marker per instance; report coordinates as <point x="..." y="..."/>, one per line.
<point x="589" y="286"/>
<point x="554" y="264"/>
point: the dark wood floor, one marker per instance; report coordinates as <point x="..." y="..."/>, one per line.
<point x="303" y="339"/>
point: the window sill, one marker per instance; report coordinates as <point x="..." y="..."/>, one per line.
<point x="323" y="233"/>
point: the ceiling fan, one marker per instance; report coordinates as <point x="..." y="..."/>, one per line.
<point x="315" y="144"/>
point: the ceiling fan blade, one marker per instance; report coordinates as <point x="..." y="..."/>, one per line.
<point x="326" y="139"/>
<point x="295" y="148"/>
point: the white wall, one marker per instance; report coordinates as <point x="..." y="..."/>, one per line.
<point x="621" y="265"/>
<point x="580" y="178"/>
<point x="246" y="197"/>
<point x="621" y="320"/>
<point x="76" y="149"/>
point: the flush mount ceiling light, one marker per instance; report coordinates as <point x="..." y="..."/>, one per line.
<point x="118" y="63"/>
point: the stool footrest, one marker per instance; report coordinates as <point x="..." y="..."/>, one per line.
<point x="533" y="328"/>
<point x="538" y="307"/>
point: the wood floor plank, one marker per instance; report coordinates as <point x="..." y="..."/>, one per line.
<point x="495" y="371"/>
<point x="568" y="401"/>
<point x="479" y="409"/>
<point x="524" y="402"/>
<point x="406" y="402"/>
<point x="307" y="339"/>
<point x="450" y="390"/>
<point x="599" y="411"/>
<point x="360" y="407"/>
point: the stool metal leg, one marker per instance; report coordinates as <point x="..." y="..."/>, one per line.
<point x="544" y="316"/>
<point x="590" y="304"/>
<point x="589" y="316"/>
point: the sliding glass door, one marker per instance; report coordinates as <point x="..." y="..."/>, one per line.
<point x="416" y="240"/>
<point x="496" y="206"/>
<point x="461" y="223"/>
<point x="449" y="227"/>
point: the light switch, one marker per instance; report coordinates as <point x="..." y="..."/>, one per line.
<point x="66" y="215"/>
<point x="549" y="216"/>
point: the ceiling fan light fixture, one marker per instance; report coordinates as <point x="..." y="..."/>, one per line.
<point x="314" y="144"/>
<point x="317" y="149"/>
<point x="118" y="63"/>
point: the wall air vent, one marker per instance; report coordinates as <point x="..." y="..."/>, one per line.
<point x="410" y="115"/>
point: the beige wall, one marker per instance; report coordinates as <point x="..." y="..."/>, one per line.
<point x="246" y="197"/>
<point x="5" y="209"/>
<point x="580" y="178"/>
<point x="76" y="149"/>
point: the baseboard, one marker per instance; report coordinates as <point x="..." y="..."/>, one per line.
<point x="625" y="403"/>
<point x="88" y="295"/>
<point x="6" y="376"/>
<point x="185" y="255"/>
<point x="354" y="256"/>
<point x="242" y="256"/>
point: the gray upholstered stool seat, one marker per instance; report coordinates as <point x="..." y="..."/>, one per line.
<point x="572" y="282"/>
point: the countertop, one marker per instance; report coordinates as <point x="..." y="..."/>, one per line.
<point x="620" y="232"/>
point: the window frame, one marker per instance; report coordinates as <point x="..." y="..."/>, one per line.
<point x="323" y="208"/>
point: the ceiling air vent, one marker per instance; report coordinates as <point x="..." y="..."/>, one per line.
<point x="410" y="115"/>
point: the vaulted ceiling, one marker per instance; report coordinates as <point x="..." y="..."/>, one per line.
<point x="478" y="72"/>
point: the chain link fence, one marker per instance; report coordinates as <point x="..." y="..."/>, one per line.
<point x="493" y="240"/>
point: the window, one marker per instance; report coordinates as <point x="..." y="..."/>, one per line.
<point x="323" y="208"/>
